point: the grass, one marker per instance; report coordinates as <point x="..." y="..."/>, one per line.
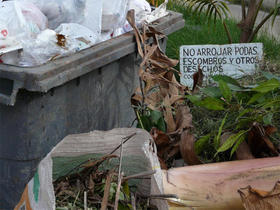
<point x="198" y="31"/>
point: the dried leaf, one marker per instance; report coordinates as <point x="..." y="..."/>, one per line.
<point x="187" y="148"/>
<point x="150" y="51"/>
<point x="197" y="79"/>
<point x="183" y="118"/>
<point x="243" y="152"/>
<point x="176" y="99"/>
<point x="166" y="148"/>
<point x="270" y="130"/>
<point x="161" y="139"/>
<point x="160" y="60"/>
<point x="168" y="116"/>
<point x="131" y="19"/>
<point x="162" y="164"/>
<point x="259" y="141"/>
<point x="254" y="199"/>
<point x="90" y="183"/>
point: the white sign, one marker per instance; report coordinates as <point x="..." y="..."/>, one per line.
<point x="234" y="60"/>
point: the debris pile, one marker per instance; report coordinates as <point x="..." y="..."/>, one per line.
<point x="91" y="185"/>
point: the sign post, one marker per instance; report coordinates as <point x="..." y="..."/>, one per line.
<point x="235" y="60"/>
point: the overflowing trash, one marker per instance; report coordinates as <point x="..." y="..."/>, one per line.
<point x="33" y="32"/>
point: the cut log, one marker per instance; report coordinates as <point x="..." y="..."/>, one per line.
<point x="215" y="186"/>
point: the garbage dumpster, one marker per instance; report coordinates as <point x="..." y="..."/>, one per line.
<point x="87" y="91"/>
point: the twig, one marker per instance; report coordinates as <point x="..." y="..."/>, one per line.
<point x="162" y="196"/>
<point x="133" y="201"/>
<point x="104" y="203"/>
<point x="118" y="193"/>
<point x="139" y="175"/>
<point x="85" y="200"/>
<point x="76" y="198"/>
<point x="143" y="95"/>
<point x="99" y="161"/>
<point x="105" y="157"/>
<point x="124" y="140"/>
<point x="119" y="178"/>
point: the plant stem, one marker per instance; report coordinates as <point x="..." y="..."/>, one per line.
<point x="243" y="10"/>
<point x="139" y="119"/>
<point x="227" y="32"/>
<point x="260" y="25"/>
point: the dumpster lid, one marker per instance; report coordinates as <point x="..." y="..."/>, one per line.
<point x="57" y="72"/>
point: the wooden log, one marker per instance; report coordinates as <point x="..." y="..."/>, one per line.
<point x="214" y="186"/>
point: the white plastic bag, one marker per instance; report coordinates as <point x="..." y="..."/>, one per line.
<point x="20" y="19"/>
<point x="114" y="14"/>
<point x="40" y="50"/>
<point x="77" y="36"/>
<point x="60" y="11"/>
<point x="139" y="6"/>
<point x="47" y="47"/>
<point x="84" y="12"/>
<point x="157" y="13"/>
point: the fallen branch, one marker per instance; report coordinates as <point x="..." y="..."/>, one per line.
<point x="139" y="176"/>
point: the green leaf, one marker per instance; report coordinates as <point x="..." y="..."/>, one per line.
<point x="225" y="90"/>
<point x="231" y="141"/>
<point x="269" y="75"/>
<point x="267" y="119"/>
<point x="155" y="116"/>
<point x="217" y="138"/>
<point x="194" y="99"/>
<point x="245" y="123"/>
<point x="245" y="111"/>
<point x="255" y="97"/>
<point x="226" y="79"/>
<point x="267" y="86"/>
<point x="237" y="144"/>
<point x="275" y="102"/>
<point x="146" y="122"/>
<point x="161" y="125"/>
<point x="121" y="196"/>
<point x="212" y="104"/>
<point x="213" y="92"/>
<point x="238" y="88"/>
<point x="201" y="143"/>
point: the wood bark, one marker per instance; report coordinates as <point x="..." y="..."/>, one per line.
<point x="215" y="186"/>
<point x="248" y="21"/>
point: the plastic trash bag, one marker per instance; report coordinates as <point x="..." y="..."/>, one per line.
<point x="84" y="12"/>
<point x="60" y="11"/>
<point x="114" y="14"/>
<point x="157" y="13"/>
<point x="77" y="36"/>
<point x="21" y="19"/>
<point x="40" y="50"/>
<point x="67" y="39"/>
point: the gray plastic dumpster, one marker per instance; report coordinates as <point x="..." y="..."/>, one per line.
<point x="87" y="91"/>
